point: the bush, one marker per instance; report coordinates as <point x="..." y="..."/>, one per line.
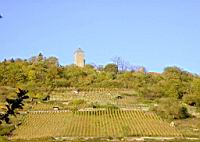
<point x="183" y="113"/>
<point x="192" y="100"/>
<point x="5" y="130"/>
<point x="171" y="109"/>
<point x="77" y="103"/>
<point x="107" y="106"/>
<point x="111" y="68"/>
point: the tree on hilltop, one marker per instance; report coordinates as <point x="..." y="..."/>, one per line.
<point x="111" y="68"/>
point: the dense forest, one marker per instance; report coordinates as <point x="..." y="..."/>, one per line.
<point x="39" y="74"/>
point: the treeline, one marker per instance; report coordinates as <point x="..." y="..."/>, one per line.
<point x="46" y="73"/>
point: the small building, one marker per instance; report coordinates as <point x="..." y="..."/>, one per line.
<point x="56" y="108"/>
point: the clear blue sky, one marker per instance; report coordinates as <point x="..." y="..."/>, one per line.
<point x="151" y="33"/>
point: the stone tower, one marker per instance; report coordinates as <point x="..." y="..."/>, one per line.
<point x="79" y="58"/>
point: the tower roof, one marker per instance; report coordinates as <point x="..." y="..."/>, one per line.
<point x="79" y="50"/>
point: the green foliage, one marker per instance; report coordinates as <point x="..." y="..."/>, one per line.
<point x="40" y="75"/>
<point x="192" y="99"/>
<point x="177" y="82"/>
<point x="3" y="139"/>
<point x="171" y="109"/>
<point x="111" y="68"/>
<point x="12" y="105"/>
<point x="89" y="66"/>
<point x="6" y="129"/>
<point x="183" y="113"/>
<point x="77" y="102"/>
<point x="106" y="106"/>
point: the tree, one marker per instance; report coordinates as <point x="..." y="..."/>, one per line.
<point x="177" y="82"/>
<point x="121" y="64"/>
<point x="52" y="61"/>
<point x="111" y="68"/>
<point x="89" y="66"/>
<point x="12" y="105"/>
<point x="193" y="97"/>
<point x="171" y="108"/>
<point x="12" y="73"/>
<point x="40" y="57"/>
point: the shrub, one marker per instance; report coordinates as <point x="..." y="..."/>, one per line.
<point x="106" y="106"/>
<point x="111" y="68"/>
<point x="171" y="109"/>
<point x="183" y="113"/>
<point x="192" y="100"/>
<point x="5" y="130"/>
<point x="77" y="104"/>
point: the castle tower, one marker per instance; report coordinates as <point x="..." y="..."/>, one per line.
<point x="79" y="58"/>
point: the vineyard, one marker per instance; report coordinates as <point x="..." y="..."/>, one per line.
<point x="127" y="98"/>
<point x="98" y="123"/>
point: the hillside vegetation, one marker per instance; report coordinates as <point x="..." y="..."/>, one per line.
<point x="42" y="75"/>
<point x="99" y="102"/>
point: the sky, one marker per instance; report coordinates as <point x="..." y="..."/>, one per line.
<point x="150" y="33"/>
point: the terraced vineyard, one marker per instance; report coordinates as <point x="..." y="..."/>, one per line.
<point x="98" y="123"/>
<point x="98" y="97"/>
